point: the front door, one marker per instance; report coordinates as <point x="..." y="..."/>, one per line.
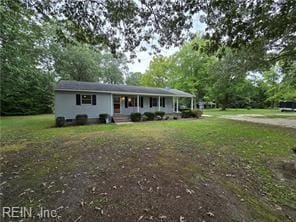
<point x="116" y="104"/>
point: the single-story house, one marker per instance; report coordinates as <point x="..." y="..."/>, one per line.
<point x="92" y="98"/>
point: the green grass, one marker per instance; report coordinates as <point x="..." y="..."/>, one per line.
<point x="250" y="151"/>
<point x="218" y="112"/>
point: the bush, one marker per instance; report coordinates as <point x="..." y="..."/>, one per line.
<point x="136" y="117"/>
<point x="175" y="117"/>
<point x="145" y="118"/>
<point x="60" y="121"/>
<point x="166" y="118"/>
<point x="186" y="113"/>
<point x="158" y="118"/>
<point x="159" y="113"/>
<point x="196" y="113"/>
<point x="149" y="115"/>
<point x="104" y="118"/>
<point x="81" y="119"/>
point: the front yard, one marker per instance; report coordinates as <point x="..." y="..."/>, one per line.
<point x="209" y="169"/>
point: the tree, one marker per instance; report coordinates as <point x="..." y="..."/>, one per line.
<point x="82" y="62"/>
<point x="119" y="25"/>
<point x="78" y="62"/>
<point x="238" y="24"/>
<point x="133" y="79"/>
<point x="158" y="73"/>
<point x="228" y="74"/>
<point x="266" y="24"/>
<point x="112" y="69"/>
<point x="190" y="67"/>
<point x="25" y="87"/>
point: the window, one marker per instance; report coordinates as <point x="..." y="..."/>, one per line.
<point x="86" y="99"/>
<point x="154" y="101"/>
<point x="132" y="101"/>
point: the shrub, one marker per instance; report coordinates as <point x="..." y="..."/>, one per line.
<point x="149" y="115"/>
<point x="175" y="117"/>
<point x="60" y="121"/>
<point x="196" y="113"/>
<point x="81" y="119"/>
<point x="159" y="113"/>
<point x="166" y="118"/>
<point x="158" y="118"/>
<point x="186" y="113"/>
<point x="104" y="117"/>
<point x="145" y="118"/>
<point x="136" y="117"/>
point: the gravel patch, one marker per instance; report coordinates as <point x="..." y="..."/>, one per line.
<point x="291" y="123"/>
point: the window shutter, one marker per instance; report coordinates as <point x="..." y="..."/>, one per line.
<point x="94" y="100"/>
<point x="150" y="102"/>
<point x="126" y="101"/>
<point x="163" y="102"/>
<point x="78" y="99"/>
<point x="142" y="101"/>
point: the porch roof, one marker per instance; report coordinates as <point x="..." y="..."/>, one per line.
<point x="67" y="85"/>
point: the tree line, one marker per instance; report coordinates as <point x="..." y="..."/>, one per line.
<point x="246" y="57"/>
<point x="241" y="78"/>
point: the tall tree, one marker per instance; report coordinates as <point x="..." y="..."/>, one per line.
<point x="190" y="68"/>
<point x="228" y="74"/>
<point x="238" y="24"/>
<point x="25" y="87"/>
<point x="78" y="62"/>
<point x="158" y="73"/>
<point x="82" y="62"/>
<point x="133" y="78"/>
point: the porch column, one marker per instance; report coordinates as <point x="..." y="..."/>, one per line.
<point x="159" y="103"/>
<point x="138" y="101"/>
<point x="174" y="104"/>
<point x="177" y="104"/>
<point x="191" y="103"/>
<point x="111" y="111"/>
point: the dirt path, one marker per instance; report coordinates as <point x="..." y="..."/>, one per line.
<point x="291" y="123"/>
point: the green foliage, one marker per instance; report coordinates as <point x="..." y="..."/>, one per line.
<point x="190" y="68"/>
<point x="136" y="117"/>
<point x="196" y="113"/>
<point x="83" y="63"/>
<point x="145" y="118"/>
<point x="133" y="79"/>
<point x="60" y="121"/>
<point x="103" y="117"/>
<point x="81" y="119"/>
<point x="25" y="88"/>
<point x="150" y="115"/>
<point x="160" y="113"/>
<point x="157" y="74"/>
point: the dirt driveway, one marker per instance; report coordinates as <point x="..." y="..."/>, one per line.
<point x="256" y="119"/>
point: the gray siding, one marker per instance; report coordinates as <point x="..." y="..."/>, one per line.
<point x="65" y="105"/>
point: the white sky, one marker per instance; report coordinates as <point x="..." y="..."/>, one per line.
<point x="145" y="58"/>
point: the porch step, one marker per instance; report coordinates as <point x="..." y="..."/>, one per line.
<point x="117" y="118"/>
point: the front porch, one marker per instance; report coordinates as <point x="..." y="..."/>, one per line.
<point x="127" y="104"/>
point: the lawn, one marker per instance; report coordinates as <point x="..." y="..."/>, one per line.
<point x="210" y="169"/>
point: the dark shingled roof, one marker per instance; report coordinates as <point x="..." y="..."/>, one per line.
<point x="67" y="85"/>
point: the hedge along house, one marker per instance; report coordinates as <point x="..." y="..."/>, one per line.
<point x="92" y="98"/>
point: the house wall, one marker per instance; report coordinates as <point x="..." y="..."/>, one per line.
<point x="146" y="106"/>
<point x="65" y="105"/>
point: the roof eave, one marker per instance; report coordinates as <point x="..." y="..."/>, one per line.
<point x="124" y="93"/>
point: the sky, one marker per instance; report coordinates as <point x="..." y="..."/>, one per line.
<point x="145" y="58"/>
